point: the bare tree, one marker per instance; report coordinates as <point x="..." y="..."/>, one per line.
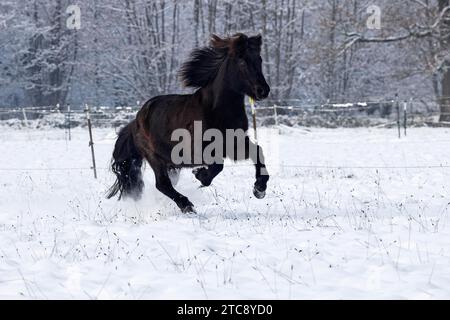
<point x="436" y="27"/>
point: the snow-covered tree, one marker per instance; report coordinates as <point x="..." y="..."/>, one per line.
<point x="315" y="51"/>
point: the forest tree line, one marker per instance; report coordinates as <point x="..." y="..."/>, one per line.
<point x="127" y="51"/>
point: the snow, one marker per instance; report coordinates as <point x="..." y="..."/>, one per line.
<point x="348" y="222"/>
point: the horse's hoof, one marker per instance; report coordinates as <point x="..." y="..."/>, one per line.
<point x="188" y="210"/>
<point x="259" y="194"/>
<point x="202" y="175"/>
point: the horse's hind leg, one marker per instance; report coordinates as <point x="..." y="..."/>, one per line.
<point x="164" y="185"/>
<point x="206" y="175"/>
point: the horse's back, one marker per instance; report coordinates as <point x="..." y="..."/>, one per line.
<point x="173" y="110"/>
<point x="160" y="116"/>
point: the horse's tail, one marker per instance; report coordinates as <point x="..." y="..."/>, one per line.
<point x="126" y="164"/>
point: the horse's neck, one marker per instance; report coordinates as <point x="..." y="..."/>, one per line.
<point x="227" y="100"/>
<point x="224" y="108"/>
<point x="222" y="97"/>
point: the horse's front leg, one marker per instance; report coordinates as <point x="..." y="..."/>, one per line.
<point x="206" y="175"/>
<point x="255" y="153"/>
<point x="246" y="149"/>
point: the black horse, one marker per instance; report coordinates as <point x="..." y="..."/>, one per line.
<point x="223" y="73"/>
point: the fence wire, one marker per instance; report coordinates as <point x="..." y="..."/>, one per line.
<point x="324" y="107"/>
<point x="100" y="116"/>
<point x="291" y="166"/>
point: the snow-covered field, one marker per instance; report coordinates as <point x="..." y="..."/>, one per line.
<point x="333" y="227"/>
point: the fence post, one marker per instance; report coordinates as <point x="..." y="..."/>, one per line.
<point x="25" y="118"/>
<point x="405" y="115"/>
<point x="91" y="142"/>
<point x="397" y="103"/>
<point x="69" y="122"/>
<point x="275" y="114"/>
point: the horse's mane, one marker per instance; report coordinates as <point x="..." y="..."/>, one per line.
<point x="202" y="66"/>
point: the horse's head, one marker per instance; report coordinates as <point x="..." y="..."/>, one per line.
<point x="244" y="67"/>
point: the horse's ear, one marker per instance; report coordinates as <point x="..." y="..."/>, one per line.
<point x="239" y="44"/>
<point x="255" y="42"/>
<point x="218" y="43"/>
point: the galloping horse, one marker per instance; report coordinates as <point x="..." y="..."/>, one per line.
<point x="222" y="73"/>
